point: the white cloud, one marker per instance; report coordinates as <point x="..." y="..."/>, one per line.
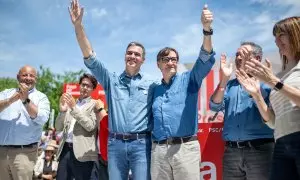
<point x="98" y="13"/>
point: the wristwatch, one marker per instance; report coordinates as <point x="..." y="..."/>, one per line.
<point x="208" y="33"/>
<point x="278" y="85"/>
<point x="26" y="101"/>
<point x="100" y="109"/>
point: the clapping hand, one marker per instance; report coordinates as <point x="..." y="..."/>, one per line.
<point x="24" y="91"/>
<point x="98" y="104"/>
<point x="250" y="84"/>
<point x="225" y="70"/>
<point x="262" y="72"/>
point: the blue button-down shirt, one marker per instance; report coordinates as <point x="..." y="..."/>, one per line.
<point x="242" y="120"/>
<point x="129" y="98"/>
<point x="16" y="125"/>
<point x="175" y="104"/>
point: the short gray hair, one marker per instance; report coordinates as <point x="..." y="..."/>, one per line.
<point x="256" y="49"/>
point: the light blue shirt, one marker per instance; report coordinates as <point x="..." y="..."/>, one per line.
<point x="16" y="125"/>
<point x="129" y="98"/>
<point x="242" y="120"/>
<point x="175" y="104"/>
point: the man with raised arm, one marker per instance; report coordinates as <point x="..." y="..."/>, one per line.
<point x="175" y="149"/>
<point x="129" y="98"/>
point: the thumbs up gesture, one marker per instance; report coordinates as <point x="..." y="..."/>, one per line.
<point x="206" y="17"/>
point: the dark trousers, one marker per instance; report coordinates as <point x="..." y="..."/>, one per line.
<point x="286" y="158"/>
<point x="100" y="170"/>
<point x="70" y="168"/>
<point x="251" y="163"/>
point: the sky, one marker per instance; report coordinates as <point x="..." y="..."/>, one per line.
<point x="39" y="32"/>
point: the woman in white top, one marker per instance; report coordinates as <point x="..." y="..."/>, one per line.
<point x="284" y="115"/>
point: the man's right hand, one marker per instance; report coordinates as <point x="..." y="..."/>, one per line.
<point x="76" y="13"/>
<point x="63" y="106"/>
<point x="225" y="70"/>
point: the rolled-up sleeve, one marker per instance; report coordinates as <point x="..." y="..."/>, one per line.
<point x="43" y="110"/>
<point x="98" y="70"/>
<point x="216" y="106"/>
<point x="202" y="66"/>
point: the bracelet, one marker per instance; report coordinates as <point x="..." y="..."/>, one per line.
<point x="100" y="109"/>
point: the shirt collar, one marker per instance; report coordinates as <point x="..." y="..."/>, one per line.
<point x="171" y="80"/>
<point x="83" y="101"/>
<point x="125" y="76"/>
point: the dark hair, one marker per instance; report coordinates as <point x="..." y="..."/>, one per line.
<point x="166" y="51"/>
<point x="291" y="27"/>
<point x="256" y="49"/>
<point x="134" y="43"/>
<point x="91" y="78"/>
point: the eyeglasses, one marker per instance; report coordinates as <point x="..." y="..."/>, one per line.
<point x="83" y="85"/>
<point x="168" y="59"/>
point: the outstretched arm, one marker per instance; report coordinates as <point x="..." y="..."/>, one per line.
<point x="76" y="14"/>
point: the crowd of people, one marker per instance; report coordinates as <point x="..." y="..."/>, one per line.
<point x="149" y="127"/>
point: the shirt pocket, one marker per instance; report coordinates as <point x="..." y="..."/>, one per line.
<point x="119" y="92"/>
<point x="143" y="94"/>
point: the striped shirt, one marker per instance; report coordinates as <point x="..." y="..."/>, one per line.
<point x="287" y="113"/>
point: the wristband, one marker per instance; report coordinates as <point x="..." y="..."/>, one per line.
<point x="208" y="33"/>
<point x="27" y="101"/>
<point x="279" y="85"/>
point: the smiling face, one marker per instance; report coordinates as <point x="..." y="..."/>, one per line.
<point x="239" y="59"/>
<point x="283" y="43"/>
<point x="134" y="58"/>
<point x="168" y="64"/>
<point x="27" y="75"/>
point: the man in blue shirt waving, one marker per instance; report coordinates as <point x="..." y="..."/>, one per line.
<point x="129" y="99"/>
<point x="249" y="141"/>
<point x="175" y="149"/>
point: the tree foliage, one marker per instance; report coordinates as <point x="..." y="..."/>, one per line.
<point x="49" y="83"/>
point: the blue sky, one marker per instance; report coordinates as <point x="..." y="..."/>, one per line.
<point x="39" y="32"/>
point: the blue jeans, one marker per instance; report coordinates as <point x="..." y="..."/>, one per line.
<point x="251" y="163"/>
<point x="125" y="155"/>
<point x="286" y="158"/>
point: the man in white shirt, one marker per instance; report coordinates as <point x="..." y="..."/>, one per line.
<point x="23" y="112"/>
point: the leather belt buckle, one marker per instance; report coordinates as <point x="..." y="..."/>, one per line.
<point x="126" y="137"/>
<point x="240" y="145"/>
<point x="170" y="140"/>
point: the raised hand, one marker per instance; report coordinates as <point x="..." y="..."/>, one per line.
<point x="262" y="72"/>
<point x="225" y="70"/>
<point x="63" y="107"/>
<point x="76" y="12"/>
<point x="206" y="18"/>
<point x="251" y="85"/>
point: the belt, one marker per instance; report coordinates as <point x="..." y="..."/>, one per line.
<point x="69" y="145"/>
<point x="176" y="140"/>
<point x="20" y="146"/>
<point x="248" y="144"/>
<point x="128" y="137"/>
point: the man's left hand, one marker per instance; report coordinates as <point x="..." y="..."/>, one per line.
<point x="24" y="91"/>
<point x="206" y="18"/>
